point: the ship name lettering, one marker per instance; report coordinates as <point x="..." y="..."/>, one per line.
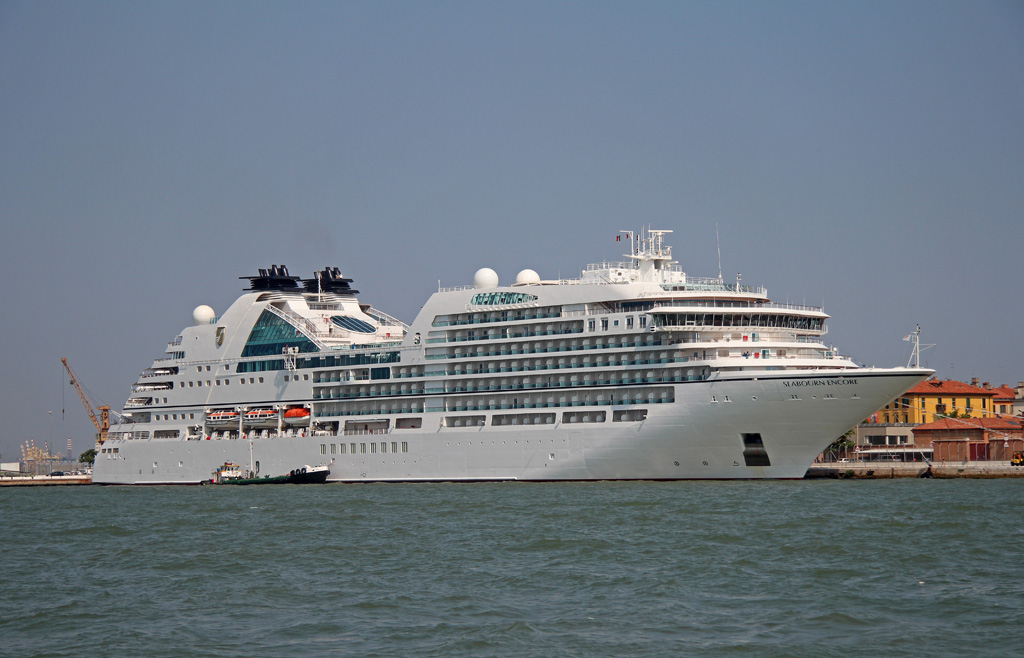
<point x="822" y="382"/>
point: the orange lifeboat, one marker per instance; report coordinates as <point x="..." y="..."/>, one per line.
<point x="296" y="416"/>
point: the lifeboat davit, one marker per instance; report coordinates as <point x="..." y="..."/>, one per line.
<point x="296" y="416"/>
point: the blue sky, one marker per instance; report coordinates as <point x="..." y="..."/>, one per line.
<point x="868" y="156"/>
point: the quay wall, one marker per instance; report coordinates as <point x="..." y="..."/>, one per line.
<point x="942" y="470"/>
<point x="43" y="480"/>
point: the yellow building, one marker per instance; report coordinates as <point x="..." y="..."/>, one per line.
<point x="936" y="399"/>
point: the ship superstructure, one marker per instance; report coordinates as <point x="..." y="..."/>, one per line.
<point x="635" y="370"/>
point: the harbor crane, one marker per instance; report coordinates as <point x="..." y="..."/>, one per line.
<point x="103" y="422"/>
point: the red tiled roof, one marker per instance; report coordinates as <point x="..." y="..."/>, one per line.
<point x="947" y="387"/>
<point x="971" y="424"/>
<point x="1003" y="393"/>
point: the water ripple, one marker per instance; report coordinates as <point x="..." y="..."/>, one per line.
<point x="836" y="568"/>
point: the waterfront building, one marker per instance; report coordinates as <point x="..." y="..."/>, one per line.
<point x="1005" y="402"/>
<point x="971" y="439"/>
<point x="936" y="399"/>
<point x="892" y="432"/>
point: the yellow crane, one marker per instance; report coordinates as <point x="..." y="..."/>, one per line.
<point x="103" y="422"/>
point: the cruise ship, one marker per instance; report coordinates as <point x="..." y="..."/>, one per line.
<point x="634" y="370"/>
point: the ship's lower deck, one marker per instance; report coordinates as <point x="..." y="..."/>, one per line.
<point x="755" y="427"/>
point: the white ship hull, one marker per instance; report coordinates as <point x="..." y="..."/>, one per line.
<point x="700" y="435"/>
<point x="633" y="371"/>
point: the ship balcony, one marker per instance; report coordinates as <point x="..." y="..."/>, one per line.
<point x="661" y="399"/>
<point x="357" y="395"/>
<point x="502" y="336"/>
<point x="650" y="342"/>
<point x="509" y="318"/>
<point x="574" y="365"/>
<point x="664" y="399"/>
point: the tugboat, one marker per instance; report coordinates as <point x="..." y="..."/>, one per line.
<point x="230" y="473"/>
<point x="310" y="474"/>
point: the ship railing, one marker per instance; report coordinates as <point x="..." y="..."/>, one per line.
<point x="300" y="323"/>
<point x="468" y="339"/>
<point x="386" y="319"/>
<point x="609" y="265"/>
<point x="477" y="320"/>
<point x="718" y="306"/>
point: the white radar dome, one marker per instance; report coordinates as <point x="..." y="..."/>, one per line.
<point x="485" y="277"/>
<point x="202" y="315"/>
<point x="527" y="276"/>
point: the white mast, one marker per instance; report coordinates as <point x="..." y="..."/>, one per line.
<point x="915" y="354"/>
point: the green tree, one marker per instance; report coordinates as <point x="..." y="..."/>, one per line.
<point x="841" y="446"/>
<point x="88" y="457"/>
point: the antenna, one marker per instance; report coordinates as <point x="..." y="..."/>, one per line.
<point x="718" y="244"/>
<point x="915" y="354"/>
<point x="630" y="236"/>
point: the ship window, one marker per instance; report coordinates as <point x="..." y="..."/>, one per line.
<point x="373" y="448"/>
<point x="334" y="448"/>
<point x="629" y="323"/>
<point x="271" y="334"/>
<point x="590" y="325"/>
<point x="353" y="324"/>
<point x="643" y="321"/>
<point x="604" y="324"/>
<point x="218" y="382"/>
<point x="261" y="380"/>
<point x="405" y="446"/>
<point x="362" y="448"/>
<point x="352" y="448"/>
<point x="190" y="384"/>
<point x="394" y="446"/>
<point x="227" y="382"/>
<point x="343" y="448"/>
<point x="323" y="448"/>
<point x="383" y="447"/>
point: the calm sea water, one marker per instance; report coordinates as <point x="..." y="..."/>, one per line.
<point x="815" y="568"/>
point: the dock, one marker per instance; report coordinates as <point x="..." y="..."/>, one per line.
<point x="44" y="480"/>
<point x="863" y="470"/>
